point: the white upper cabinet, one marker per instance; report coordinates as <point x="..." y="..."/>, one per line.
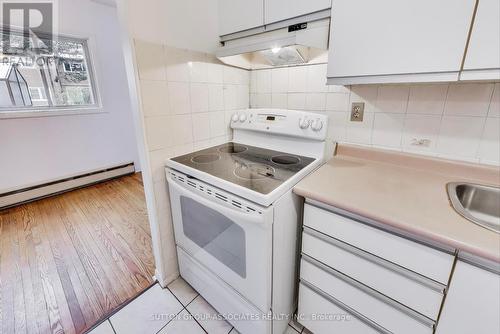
<point x="398" y="40"/>
<point x="278" y="10"/>
<point x="473" y="303"/>
<point x="238" y="15"/>
<point x="483" y="54"/>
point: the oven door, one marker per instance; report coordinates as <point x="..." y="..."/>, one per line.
<point x="228" y="238"/>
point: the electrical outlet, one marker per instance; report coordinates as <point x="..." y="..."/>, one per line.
<point x="357" y="111"/>
<point x="424" y="142"/>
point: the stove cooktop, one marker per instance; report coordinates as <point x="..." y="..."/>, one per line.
<point x="255" y="168"/>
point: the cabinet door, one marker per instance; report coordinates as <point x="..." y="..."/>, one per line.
<point x="398" y="37"/>
<point x="238" y="15"/>
<point x="278" y="10"/>
<point x="484" y="45"/>
<point x="473" y="302"/>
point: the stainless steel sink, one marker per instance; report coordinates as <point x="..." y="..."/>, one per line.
<point x="478" y="203"/>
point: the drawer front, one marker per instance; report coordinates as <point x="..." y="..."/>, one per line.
<point x="412" y="255"/>
<point x="375" y="273"/>
<point x="387" y="313"/>
<point x="312" y="304"/>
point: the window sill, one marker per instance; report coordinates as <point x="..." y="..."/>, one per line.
<point x="36" y="113"/>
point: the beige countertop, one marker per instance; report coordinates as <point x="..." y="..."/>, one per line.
<point x="405" y="191"/>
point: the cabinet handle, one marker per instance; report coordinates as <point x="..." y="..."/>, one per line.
<point x="346" y="308"/>
<point x="371" y="292"/>
<point x="420" y="279"/>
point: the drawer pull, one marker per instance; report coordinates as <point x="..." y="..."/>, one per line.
<point x="420" y="279"/>
<point x="371" y="292"/>
<point x="346" y="308"/>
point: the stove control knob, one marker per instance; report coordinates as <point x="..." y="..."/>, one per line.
<point x="303" y="123"/>
<point x="317" y="125"/>
<point x="243" y="118"/>
<point x="235" y="118"/>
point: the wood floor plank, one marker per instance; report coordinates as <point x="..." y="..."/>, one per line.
<point x="117" y="246"/>
<point x="41" y="315"/>
<point x="125" y="229"/>
<point x="59" y="315"/>
<point x="69" y="260"/>
<point x="85" y="292"/>
<point x="64" y="267"/>
<point x="98" y="247"/>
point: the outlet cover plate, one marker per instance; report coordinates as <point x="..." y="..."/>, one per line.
<point x="357" y="111"/>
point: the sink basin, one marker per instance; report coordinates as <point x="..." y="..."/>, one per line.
<point x="478" y="203"/>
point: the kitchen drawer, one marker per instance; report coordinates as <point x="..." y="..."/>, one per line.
<point x="313" y="303"/>
<point x="421" y="259"/>
<point x="415" y="291"/>
<point x="389" y="314"/>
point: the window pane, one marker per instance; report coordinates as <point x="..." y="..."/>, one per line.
<point x="60" y="78"/>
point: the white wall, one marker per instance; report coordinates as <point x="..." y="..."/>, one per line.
<point x="186" y="24"/>
<point x="459" y="121"/>
<point x="33" y="150"/>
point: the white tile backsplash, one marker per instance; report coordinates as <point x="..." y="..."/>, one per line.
<point x="392" y="99"/>
<point x="388" y="129"/>
<point x="179" y="97"/>
<point x="297" y="80"/>
<point x="316" y="79"/>
<point x="494" y="110"/>
<point x="154" y="98"/>
<point x="215" y="97"/>
<point x="198" y="68"/>
<point x="420" y="133"/>
<point x="199" y="97"/>
<point x="337" y="101"/>
<point x="489" y="148"/>
<point x="459" y="136"/>
<point x="264" y="81"/>
<point x="215" y="73"/>
<point x="468" y="100"/>
<point x="279" y="80"/>
<point x="360" y="132"/>
<point x="315" y="101"/>
<point x="297" y="101"/>
<point x="279" y="100"/>
<point x="427" y="99"/>
<point x="176" y="64"/>
<point x="366" y="94"/>
<point x="443" y="120"/>
<point x="201" y="126"/>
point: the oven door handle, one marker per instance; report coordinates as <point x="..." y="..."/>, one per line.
<point x="255" y="218"/>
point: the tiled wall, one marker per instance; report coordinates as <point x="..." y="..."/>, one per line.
<point x="187" y="100"/>
<point x="457" y="121"/>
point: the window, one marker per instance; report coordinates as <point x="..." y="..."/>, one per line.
<point x="35" y="93"/>
<point x="37" y="80"/>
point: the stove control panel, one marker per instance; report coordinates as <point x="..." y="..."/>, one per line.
<point x="280" y="121"/>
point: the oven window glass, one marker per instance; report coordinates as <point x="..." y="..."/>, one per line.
<point x="215" y="233"/>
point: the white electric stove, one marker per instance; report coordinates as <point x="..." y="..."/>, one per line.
<point x="236" y="219"/>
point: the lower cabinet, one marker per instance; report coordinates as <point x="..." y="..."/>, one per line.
<point x="357" y="278"/>
<point x="473" y="302"/>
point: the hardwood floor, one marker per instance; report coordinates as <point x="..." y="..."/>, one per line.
<point x="69" y="260"/>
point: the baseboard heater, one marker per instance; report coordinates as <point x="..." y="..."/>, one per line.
<point x="32" y="193"/>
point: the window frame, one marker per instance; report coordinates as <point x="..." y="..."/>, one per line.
<point x="66" y="110"/>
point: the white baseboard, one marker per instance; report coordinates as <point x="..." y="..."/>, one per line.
<point x="16" y="197"/>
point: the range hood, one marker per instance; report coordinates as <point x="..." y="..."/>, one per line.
<point x="279" y="44"/>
